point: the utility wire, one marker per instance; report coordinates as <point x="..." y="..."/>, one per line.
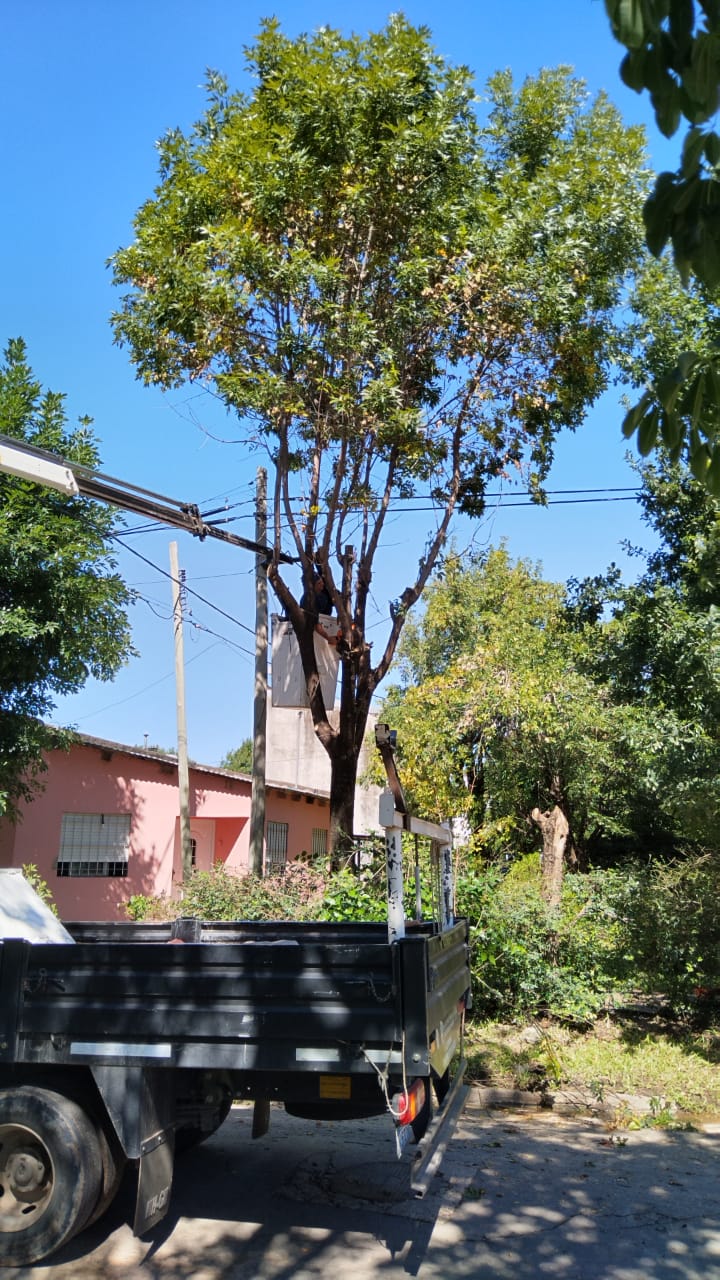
<point x="200" y="626"/>
<point x="189" y="590"/>
<point x="628" y="492"/>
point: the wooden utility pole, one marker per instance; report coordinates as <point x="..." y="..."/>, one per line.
<point x="182" y="753"/>
<point x="257" y="802"/>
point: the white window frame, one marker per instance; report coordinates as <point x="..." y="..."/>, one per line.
<point x="94" y="844"/>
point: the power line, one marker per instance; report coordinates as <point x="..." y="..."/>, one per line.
<point x="559" y="497"/>
<point x="200" y="626"/>
<point x="189" y="590"/>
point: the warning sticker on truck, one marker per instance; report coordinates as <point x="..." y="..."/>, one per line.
<point x="335" y="1087"/>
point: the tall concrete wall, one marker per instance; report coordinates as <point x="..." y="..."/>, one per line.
<point x="295" y="758"/>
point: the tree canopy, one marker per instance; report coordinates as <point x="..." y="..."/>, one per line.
<point x="597" y="703"/>
<point x="392" y="296"/>
<point x="673" y="53"/>
<point x="239" y="758"/>
<point x="62" y="606"/>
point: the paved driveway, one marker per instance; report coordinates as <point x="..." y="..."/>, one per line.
<point x="520" y="1196"/>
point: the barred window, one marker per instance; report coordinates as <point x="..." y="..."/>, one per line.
<point x="319" y="842"/>
<point x="94" y="844"/>
<point x="276" y="846"/>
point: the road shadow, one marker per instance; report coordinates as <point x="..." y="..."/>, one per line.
<point x="518" y="1197"/>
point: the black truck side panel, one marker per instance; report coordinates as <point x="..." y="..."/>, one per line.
<point x="249" y="1005"/>
<point x="13" y="964"/>
<point x="257" y="998"/>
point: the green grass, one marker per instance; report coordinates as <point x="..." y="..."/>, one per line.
<point x="678" y="1068"/>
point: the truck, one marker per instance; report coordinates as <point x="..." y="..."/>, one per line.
<point x="124" y="1044"/>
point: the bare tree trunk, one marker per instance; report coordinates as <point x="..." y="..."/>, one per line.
<point x="555" y="830"/>
<point x="343" y="776"/>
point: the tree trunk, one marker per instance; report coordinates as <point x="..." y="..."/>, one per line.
<point x="555" y="830"/>
<point x="343" y="776"/>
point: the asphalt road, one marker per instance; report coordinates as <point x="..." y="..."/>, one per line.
<point x="520" y="1196"/>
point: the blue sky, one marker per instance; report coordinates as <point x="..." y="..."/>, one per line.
<point x="86" y="88"/>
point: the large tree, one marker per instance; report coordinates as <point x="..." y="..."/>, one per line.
<point x="499" y="720"/>
<point x="592" y="715"/>
<point x="62" y="606"/>
<point x="391" y="296"/>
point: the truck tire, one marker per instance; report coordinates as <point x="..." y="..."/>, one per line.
<point x="50" y="1172"/>
<point x="113" y="1168"/>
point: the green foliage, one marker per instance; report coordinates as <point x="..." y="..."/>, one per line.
<point x="240" y="758"/>
<point x="674" y="932"/>
<point x="389" y="297"/>
<point x="299" y="892"/>
<point x="526" y="960"/>
<point x="658" y="653"/>
<point x="62" y="607"/>
<point x="500" y="711"/>
<point x="354" y="897"/>
<point x="604" y="701"/>
<point x="674" y="54"/>
<point x="652" y="927"/>
<point x="41" y="886"/>
<point x="671" y="355"/>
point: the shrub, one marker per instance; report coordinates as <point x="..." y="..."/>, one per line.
<point x="41" y="887"/>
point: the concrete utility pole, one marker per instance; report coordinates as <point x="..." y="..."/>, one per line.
<point x="257" y="802"/>
<point x="182" y="752"/>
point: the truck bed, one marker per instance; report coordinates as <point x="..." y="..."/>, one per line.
<point x="255" y="997"/>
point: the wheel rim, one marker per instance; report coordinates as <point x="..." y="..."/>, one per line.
<point x="26" y="1177"/>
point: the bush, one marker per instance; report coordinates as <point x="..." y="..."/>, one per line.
<point x="41" y="887"/>
<point x="528" y="960"/>
<point x="651" y="928"/>
<point x="648" y="927"/>
<point x="673" y="933"/>
<point x="354" y="897"/>
<point x="299" y="892"/>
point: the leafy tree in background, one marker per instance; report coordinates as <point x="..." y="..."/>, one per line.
<point x="498" y="719"/>
<point x="62" y="608"/>
<point x="592" y="714"/>
<point x="240" y="758"/>
<point x="659" y="651"/>
<point x="392" y="299"/>
<point x="673" y="53"/>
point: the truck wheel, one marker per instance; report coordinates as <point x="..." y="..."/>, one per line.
<point x="113" y="1167"/>
<point x="50" y="1172"/>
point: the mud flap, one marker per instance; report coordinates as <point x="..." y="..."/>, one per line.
<point x="155" y="1176"/>
<point x="140" y="1103"/>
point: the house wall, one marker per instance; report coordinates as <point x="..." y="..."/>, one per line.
<point x="295" y="758"/>
<point x="94" y="780"/>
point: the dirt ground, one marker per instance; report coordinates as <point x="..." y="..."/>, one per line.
<point x="522" y="1194"/>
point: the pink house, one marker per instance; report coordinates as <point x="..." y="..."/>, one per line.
<point x="107" y="826"/>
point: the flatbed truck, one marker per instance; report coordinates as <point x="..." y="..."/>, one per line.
<point x="129" y="1042"/>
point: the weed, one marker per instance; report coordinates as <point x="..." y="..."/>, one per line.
<point x="473" y="1193"/>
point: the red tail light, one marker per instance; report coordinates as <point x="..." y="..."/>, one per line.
<point x="412" y="1102"/>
